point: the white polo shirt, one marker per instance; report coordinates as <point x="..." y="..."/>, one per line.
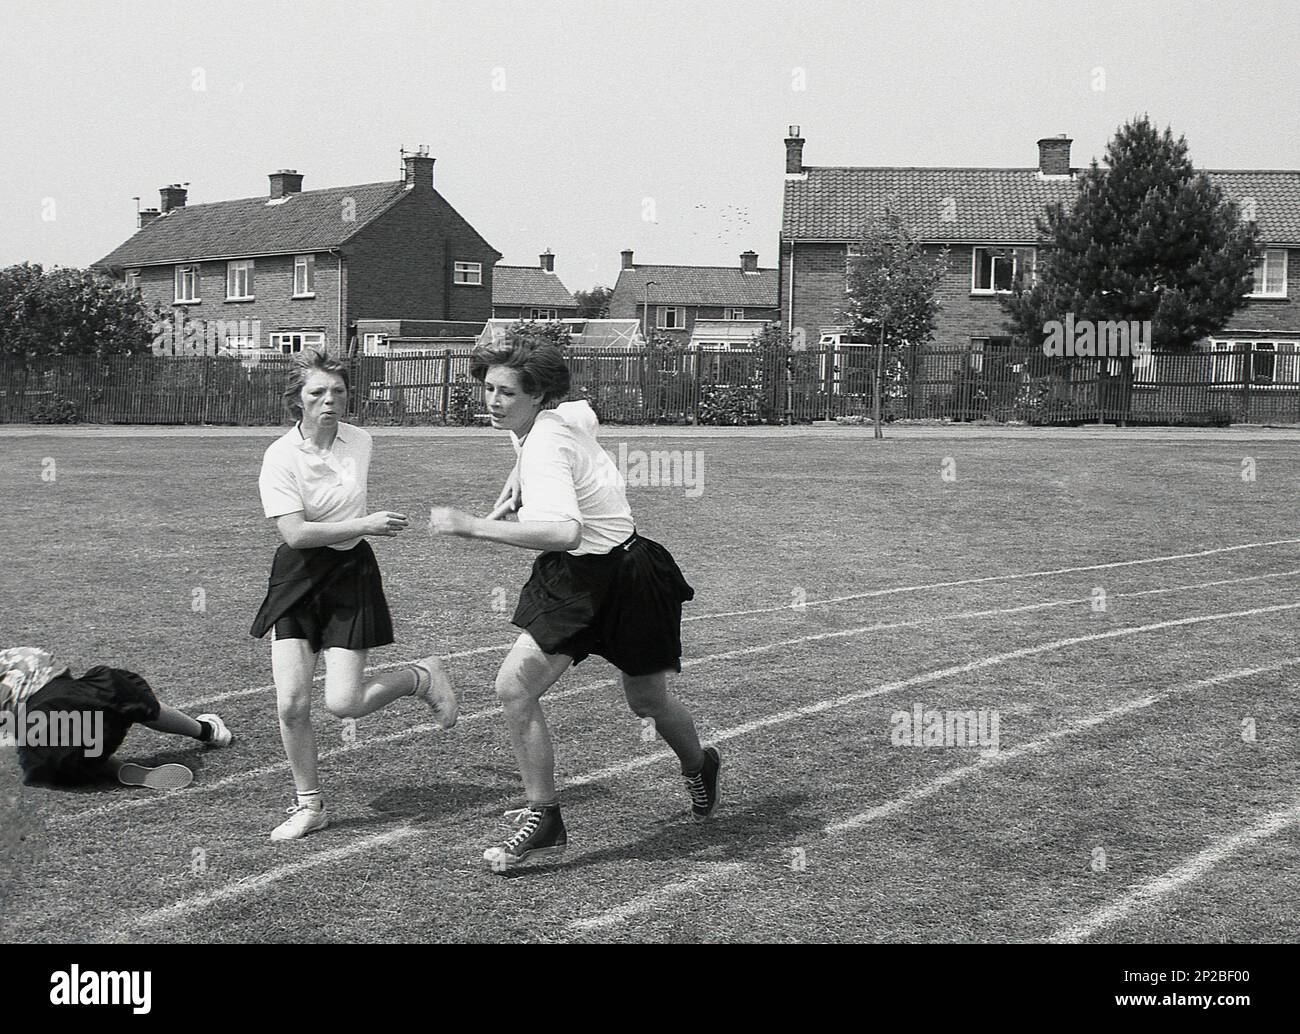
<point x="324" y="485"/>
<point x="565" y="476"/>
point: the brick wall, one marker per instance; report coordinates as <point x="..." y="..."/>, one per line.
<point x="273" y="303"/>
<point x="1271" y="315"/>
<point x="401" y="265"/>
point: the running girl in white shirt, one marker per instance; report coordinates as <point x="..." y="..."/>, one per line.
<point x="598" y="587"/>
<point x="325" y="592"/>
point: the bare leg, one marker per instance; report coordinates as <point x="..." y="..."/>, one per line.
<point x="176" y="722"/>
<point x="527" y="673"/>
<point x="648" y="697"/>
<point x="293" y="664"/>
<point x="349" y="694"/>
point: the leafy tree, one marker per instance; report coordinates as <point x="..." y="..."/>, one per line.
<point x="891" y="290"/>
<point x="594" y="304"/>
<point x="1147" y="238"/>
<point x="69" y="312"/>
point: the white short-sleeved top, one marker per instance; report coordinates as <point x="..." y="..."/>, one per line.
<point x="24" y="670"/>
<point x="325" y="485"/>
<point x="564" y="475"/>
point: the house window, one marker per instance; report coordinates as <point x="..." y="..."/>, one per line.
<point x="187" y="283"/>
<point x="670" y="317"/>
<point x="995" y="269"/>
<point x="238" y="346"/>
<point x="239" y="280"/>
<point x="374" y="344"/>
<point x="290" y="343"/>
<point x="975" y="357"/>
<point x="133" y="279"/>
<point x="851" y="252"/>
<point x="1224" y="361"/>
<point x="1273" y="364"/>
<point x="304" y="276"/>
<point x="469" y="273"/>
<point x="735" y="314"/>
<point x="1270" y="275"/>
<point x="541" y="314"/>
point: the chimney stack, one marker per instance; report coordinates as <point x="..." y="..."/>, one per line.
<point x="173" y="196"/>
<point x="418" y="169"/>
<point x="793" y="152"/>
<point x="1054" y="155"/>
<point x="144" y="217"/>
<point x="627" y="258"/>
<point x="749" y="262"/>
<point x="286" y="182"/>
<point x="548" y="261"/>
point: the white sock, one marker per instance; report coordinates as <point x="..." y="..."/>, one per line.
<point x="311" y="799"/>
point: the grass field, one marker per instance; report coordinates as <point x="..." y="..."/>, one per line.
<point x="1143" y="786"/>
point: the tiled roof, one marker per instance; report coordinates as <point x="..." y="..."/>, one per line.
<point x="529" y="285"/>
<point x="312" y="220"/>
<point x="995" y="205"/>
<point x="694" y="285"/>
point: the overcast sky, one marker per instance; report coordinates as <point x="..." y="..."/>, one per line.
<point x="554" y="122"/>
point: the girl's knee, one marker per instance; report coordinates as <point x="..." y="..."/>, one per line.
<point x="343" y="705"/>
<point x="513" y="692"/>
<point x="294" y="710"/>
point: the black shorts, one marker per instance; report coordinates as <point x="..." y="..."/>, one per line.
<point x="121" y="697"/>
<point x="330" y="597"/>
<point x="624" y="605"/>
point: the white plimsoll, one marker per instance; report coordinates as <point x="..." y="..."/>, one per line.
<point x="221" y="736"/>
<point x="301" y="821"/>
<point x="164" y="777"/>
<point x="436" y="690"/>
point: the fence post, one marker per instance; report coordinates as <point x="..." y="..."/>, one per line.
<point x="1247" y="374"/>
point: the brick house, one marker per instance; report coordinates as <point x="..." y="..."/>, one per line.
<point x="680" y="297"/>
<point x="531" y="292"/>
<point x="298" y="268"/>
<point x="987" y="220"/>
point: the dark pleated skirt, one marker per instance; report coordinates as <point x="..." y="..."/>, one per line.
<point x="122" y="697"/>
<point x="624" y="605"/>
<point x="330" y="597"/>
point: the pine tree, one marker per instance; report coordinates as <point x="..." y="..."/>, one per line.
<point x="1147" y="238"/>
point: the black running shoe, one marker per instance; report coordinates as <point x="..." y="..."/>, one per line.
<point x="541" y="834"/>
<point x="705" y="785"/>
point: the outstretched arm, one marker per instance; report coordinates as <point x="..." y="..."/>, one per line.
<point x="543" y="535"/>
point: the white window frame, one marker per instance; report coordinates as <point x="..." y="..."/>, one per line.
<point x="542" y="314"/>
<point x="468" y="274"/>
<point x="735" y="314"/>
<point x="1014" y="258"/>
<point x="234" y="269"/>
<point x="187" y="274"/>
<point x="307" y="288"/>
<point x="239" y="346"/>
<point x="1269" y="291"/>
<point x="284" y="342"/>
<point x="132" y="279"/>
<point x="374" y="344"/>
<point x="851" y="251"/>
<point x="661" y="312"/>
<point x="1226" y="369"/>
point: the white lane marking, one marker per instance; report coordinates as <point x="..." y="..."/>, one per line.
<point x="1152" y="890"/>
<point x="1001" y="578"/>
<point x="653" y="899"/>
<point x="556" y="696"/>
<point x="216" y="698"/>
<point x="148" y="918"/>
<point x="948" y="779"/>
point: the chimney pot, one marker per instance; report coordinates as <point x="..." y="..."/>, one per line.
<point x="548" y="261"/>
<point x="145" y="216"/>
<point x="1054" y="155"/>
<point x="793" y="152"/>
<point x="173" y="196"/>
<point x="418" y="169"/>
<point x="627" y="258"/>
<point x="749" y="262"/>
<point x="285" y="182"/>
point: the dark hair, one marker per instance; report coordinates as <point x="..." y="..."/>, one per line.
<point x="304" y="364"/>
<point x="539" y="360"/>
